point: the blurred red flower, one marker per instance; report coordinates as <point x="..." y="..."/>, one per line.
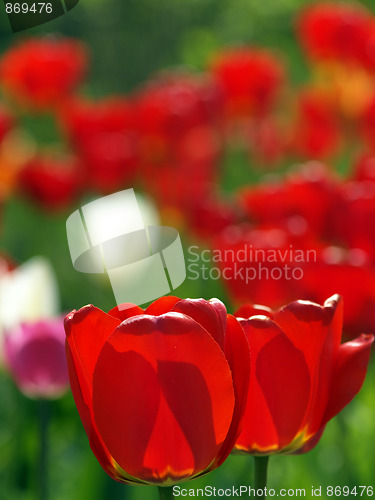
<point x="301" y="376"/>
<point x="250" y="80"/>
<point x="315" y="132"/>
<point x="308" y="195"/>
<point x="160" y="392"/>
<point x="258" y="263"/>
<point x="41" y="72"/>
<point x="179" y="140"/>
<point x="187" y="176"/>
<point x="267" y="141"/>
<point x="51" y="181"/>
<point x="208" y="216"/>
<point x="173" y="105"/>
<point x="364" y="168"/>
<point x="350" y="273"/>
<point x="104" y="135"/>
<point x="278" y="264"/>
<point x="351" y="218"/>
<point x="334" y="31"/>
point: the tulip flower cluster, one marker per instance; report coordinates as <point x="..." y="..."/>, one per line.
<point x="165" y="393"/>
<point x="172" y="135"/>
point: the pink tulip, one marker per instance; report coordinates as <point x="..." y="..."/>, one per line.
<point x="35" y="356"/>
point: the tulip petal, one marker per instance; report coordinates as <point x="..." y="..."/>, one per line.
<point x="126" y="433"/>
<point x="83" y="403"/>
<point x="85" y="412"/>
<point x="163" y="397"/>
<point x="211" y="314"/>
<point x="248" y="310"/>
<point x="126" y="312"/>
<point x="303" y="322"/>
<point x="328" y="358"/>
<point x="284" y="379"/>
<point x="279" y="388"/>
<point x="171" y="374"/>
<point x="237" y="353"/>
<point x="316" y="331"/>
<point x="162" y="305"/>
<point x="86" y="332"/>
<point x="311" y="443"/>
<point x="350" y="373"/>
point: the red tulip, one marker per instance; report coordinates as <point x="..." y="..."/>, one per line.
<point x="260" y="264"/>
<point x="52" y="182"/>
<point x="308" y="194"/>
<point x="177" y="187"/>
<point x="301" y="376"/>
<point x="178" y="145"/>
<point x="189" y="170"/>
<point x="250" y="79"/>
<point x="172" y="106"/>
<point x="334" y="31"/>
<point x="353" y="215"/>
<point x="160" y="392"/>
<point x="267" y="141"/>
<point x="189" y="173"/>
<point x="315" y="133"/>
<point x="209" y="216"/>
<point x="41" y="72"/>
<point x="104" y="135"/>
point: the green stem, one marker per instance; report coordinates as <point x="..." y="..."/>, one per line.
<point x="166" y="492"/>
<point x="43" y="450"/>
<point x="260" y="474"/>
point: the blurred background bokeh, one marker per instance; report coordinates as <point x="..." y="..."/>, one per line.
<point x="244" y="122"/>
